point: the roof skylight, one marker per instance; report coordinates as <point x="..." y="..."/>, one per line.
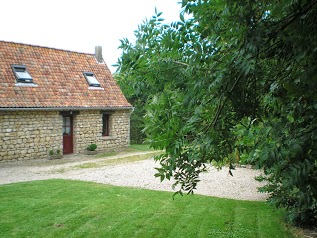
<point x="22" y="74"/>
<point x="91" y="79"/>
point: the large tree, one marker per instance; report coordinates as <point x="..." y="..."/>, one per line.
<point x="236" y="80"/>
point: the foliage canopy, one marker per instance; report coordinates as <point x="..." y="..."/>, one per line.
<point x="235" y="81"/>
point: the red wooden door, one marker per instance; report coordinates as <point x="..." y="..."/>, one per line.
<point x="67" y="135"/>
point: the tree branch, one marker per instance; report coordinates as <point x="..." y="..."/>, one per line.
<point x="293" y="17"/>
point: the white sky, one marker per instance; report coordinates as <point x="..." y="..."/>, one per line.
<point x="79" y="25"/>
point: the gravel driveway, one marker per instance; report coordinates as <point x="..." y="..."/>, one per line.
<point x="138" y="174"/>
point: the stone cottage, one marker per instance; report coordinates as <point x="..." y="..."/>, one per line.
<point x="53" y="99"/>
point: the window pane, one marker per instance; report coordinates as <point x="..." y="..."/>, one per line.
<point x="66" y="130"/>
<point x="105" y="125"/>
<point x="92" y="80"/>
<point x="66" y="126"/>
<point x="23" y="75"/>
<point x="66" y="121"/>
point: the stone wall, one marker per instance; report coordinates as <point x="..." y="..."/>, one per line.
<point x="86" y="133"/>
<point x="29" y="134"/>
<point x="32" y="134"/>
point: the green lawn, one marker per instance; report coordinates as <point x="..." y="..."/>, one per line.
<point x="63" y="208"/>
<point x="143" y="147"/>
<point x="130" y="149"/>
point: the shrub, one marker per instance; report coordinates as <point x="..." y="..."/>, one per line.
<point x="91" y="147"/>
<point x="289" y="164"/>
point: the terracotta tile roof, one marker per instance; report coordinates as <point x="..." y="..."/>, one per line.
<point x="59" y="78"/>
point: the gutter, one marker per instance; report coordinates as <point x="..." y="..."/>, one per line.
<point x="63" y="108"/>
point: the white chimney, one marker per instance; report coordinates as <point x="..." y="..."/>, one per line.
<point x="98" y="54"/>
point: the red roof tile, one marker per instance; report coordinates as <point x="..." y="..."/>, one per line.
<point x="59" y="78"/>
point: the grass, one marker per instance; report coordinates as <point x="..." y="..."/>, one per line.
<point x="107" y="154"/>
<point x="119" y="157"/>
<point x="122" y="160"/>
<point x="144" y="147"/>
<point x="63" y="208"/>
<point x="132" y="148"/>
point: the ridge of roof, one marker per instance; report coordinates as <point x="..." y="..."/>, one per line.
<point x="45" y="47"/>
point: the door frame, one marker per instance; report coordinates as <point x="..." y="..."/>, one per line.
<point x="68" y="139"/>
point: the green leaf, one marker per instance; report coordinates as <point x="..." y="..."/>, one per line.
<point x="290" y="118"/>
<point x="181" y="17"/>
